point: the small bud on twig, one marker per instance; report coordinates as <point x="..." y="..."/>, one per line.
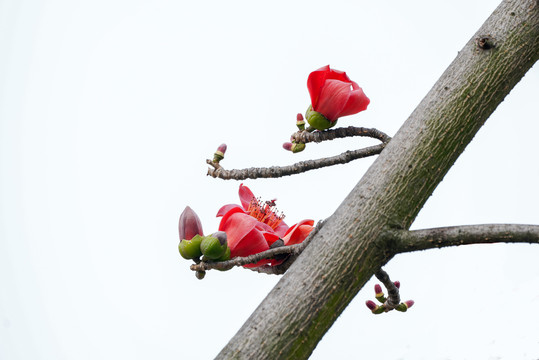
<point x="219" y="154"/>
<point x="300" y="122"/>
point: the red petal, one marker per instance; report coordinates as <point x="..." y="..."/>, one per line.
<point x="318" y="78"/>
<point x="236" y="224"/>
<point x="226" y="208"/>
<point x="299" y="232"/>
<point x="246" y="196"/>
<point x="264" y="227"/>
<point x="251" y="243"/>
<point x="270" y="237"/>
<point x="281" y="229"/>
<point x="333" y="98"/>
<point x="357" y="101"/>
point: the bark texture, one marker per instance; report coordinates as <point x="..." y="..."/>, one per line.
<point x="352" y="245"/>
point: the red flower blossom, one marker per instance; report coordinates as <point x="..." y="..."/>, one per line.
<point x="334" y="95"/>
<point x="254" y="226"/>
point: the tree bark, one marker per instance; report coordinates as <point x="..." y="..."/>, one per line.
<point x="353" y="243"/>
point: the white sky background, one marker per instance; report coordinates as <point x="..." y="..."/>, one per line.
<point x="108" y="110"/>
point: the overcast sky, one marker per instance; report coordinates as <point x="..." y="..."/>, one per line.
<point x="108" y="110"/>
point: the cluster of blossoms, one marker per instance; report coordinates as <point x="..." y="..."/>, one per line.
<point x="255" y="226"/>
<point x="246" y="229"/>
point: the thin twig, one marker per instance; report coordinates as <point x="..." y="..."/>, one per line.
<point x="217" y="171"/>
<point x="393" y="299"/>
<point x="292" y="251"/>
<point x="350" y="131"/>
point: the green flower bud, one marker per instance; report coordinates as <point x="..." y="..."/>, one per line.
<point x="190" y="249"/>
<point x="317" y="120"/>
<point x="212" y="247"/>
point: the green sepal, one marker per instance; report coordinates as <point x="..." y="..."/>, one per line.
<point x="402" y="307"/>
<point x="297" y="147"/>
<point x="225" y="256"/>
<point x="211" y="248"/>
<point x="317" y="120"/>
<point x="190" y="249"/>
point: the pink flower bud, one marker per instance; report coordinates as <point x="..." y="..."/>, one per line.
<point x="222" y="148"/>
<point x="219" y="154"/>
<point x="299" y="117"/>
<point x="287" y="146"/>
<point x="397" y="284"/>
<point x="409" y="303"/>
<point x="189" y="224"/>
<point x="371" y="305"/>
<point x="377" y="289"/>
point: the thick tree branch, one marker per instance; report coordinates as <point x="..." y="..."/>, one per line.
<point x="407" y="241"/>
<point x="351" y="246"/>
<point x="400" y="241"/>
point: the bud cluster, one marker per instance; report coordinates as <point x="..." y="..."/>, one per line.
<point x="194" y="245"/>
<point x="384" y="307"/>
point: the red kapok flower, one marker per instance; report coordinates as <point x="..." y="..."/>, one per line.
<point x="254" y="226"/>
<point x="334" y="95"/>
<point x="262" y="211"/>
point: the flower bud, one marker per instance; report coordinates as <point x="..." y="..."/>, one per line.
<point x="287" y="146"/>
<point x="221" y="236"/>
<point x="397" y="284"/>
<point x="379" y="294"/>
<point x="189" y="224"/>
<point x="220" y="153"/>
<point x="405" y="305"/>
<point x="371" y="305"/>
<point x="317" y="120"/>
<point x="300" y="122"/>
<point x="375" y="309"/>
<point x="297" y="147"/>
<point x="212" y="248"/>
<point x="190" y="249"/>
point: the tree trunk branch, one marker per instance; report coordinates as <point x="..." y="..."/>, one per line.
<point x="351" y="245"/>
<point x="407" y="241"/>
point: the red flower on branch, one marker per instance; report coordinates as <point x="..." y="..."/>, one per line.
<point x="254" y="226"/>
<point x="334" y="95"/>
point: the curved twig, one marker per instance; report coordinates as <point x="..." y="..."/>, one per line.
<point x="393" y="299"/>
<point x="339" y="133"/>
<point x="217" y="171"/>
